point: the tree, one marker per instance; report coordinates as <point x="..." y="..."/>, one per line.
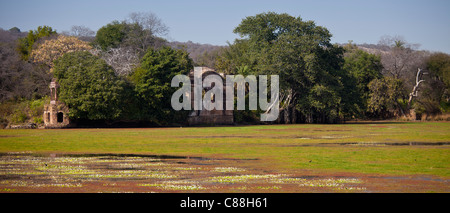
<point x="234" y="56"/>
<point x="152" y="81"/>
<point x="434" y="94"/>
<point x="121" y="44"/>
<point x="439" y="65"/>
<point x="139" y="32"/>
<point x="25" y="45"/>
<point x="50" y="50"/>
<point x="122" y="59"/>
<point x="110" y="36"/>
<point x="89" y="87"/>
<point x="364" y="68"/>
<point x="415" y="89"/>
<point x="81" y="32"/>
<point x="14" y="30"/>
<point x="402" y="59"/>
<point x="145" y="27"/>
<point x="149" y="21"/>
<point x="308" y="65"/>
<point x="384" y="97"/>
<point x="110" y="41"/>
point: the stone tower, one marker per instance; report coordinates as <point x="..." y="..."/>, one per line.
<point x="55" y="113"/>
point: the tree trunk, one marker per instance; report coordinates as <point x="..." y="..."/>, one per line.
<point x="287" y="119"/>
<point x="309" y="118"/>
<point x="415" y="88"/>
<point x="294" y="116"/>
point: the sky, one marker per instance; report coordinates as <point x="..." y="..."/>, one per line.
<point x="424" y="22"/>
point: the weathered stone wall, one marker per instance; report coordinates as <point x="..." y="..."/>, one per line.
<point x="209" y="117"/>
<point x="56" y="113"/>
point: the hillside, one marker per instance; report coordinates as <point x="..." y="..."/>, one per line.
<point x="202" y="54"/>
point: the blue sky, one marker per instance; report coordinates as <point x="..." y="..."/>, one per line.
<point x="425" y="22"/>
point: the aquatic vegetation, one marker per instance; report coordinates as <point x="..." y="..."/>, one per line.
<point x="338" y="184"/>
<point x="31" y="173"/>
<point x="242" y="178"/>
<point x="183" y="187"/>
<point x="7" y="190"/>
<point x="71" y="172"/>
<point x="268" y="187"/>
<point x="63" y="185"/>
<point x="175" y="185"/>
<point x="228" y="169"/>
<point x="185" y="168"/>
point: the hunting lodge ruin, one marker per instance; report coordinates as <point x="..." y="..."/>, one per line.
<point x="209" y="117"/>
<point x="56" y="112"/>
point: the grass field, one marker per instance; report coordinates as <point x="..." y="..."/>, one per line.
<point x="369" y="157"/>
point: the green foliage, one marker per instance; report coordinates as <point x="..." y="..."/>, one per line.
<point x="433" y="95"/>
<point x="111" y="35"/>
<point x="439" y="65"/>
<point x="309" y="66"/>
<point x="14" y="30"/>
<point x="25" y="45"/>
<point x="152" y="81"/>
<point x="208" y="58"/>
<point x="364" y="68"/>
<point x="22" y="111"/>
<point x="445" y="106"/>
<point x="36" y="109"/>
<point x="19" y="117"/>
<point x="233" y="57"/>
<point x="384" y="97"/>
<point x="124" y="34"/>
<point x="89" y="87"/>
<point x="323" y="100"/>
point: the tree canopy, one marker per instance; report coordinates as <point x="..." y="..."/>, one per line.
<point x="139" y="32"/>
<point x="26" y="44"/>
<point x="50" y="50"/>
<point x="110" y="36"/>
<point x="309" y="66"/>
<point x="89" y="87"/>
<point x="363" y="68"/>
<point x="152" y="80"/>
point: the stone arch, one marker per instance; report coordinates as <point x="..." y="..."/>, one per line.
<point x="214" y="116"/>
<point x="211" y="72"/>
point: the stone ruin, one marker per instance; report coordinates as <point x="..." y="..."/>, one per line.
<point x="55" y="113"/>
<point x="206" y="117"/>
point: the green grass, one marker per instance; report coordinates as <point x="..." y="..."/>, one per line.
<point x="278" y="147"/>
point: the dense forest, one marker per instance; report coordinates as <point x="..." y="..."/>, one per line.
<point x="122" y="72"/>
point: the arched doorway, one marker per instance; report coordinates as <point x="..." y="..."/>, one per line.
<point x="60" y="117"/>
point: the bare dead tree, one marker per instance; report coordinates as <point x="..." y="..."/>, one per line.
<point x="401" y="59"/>
<point x="149" y="21"/>
<point x="123" y="59"/>
<point x="82" y="32"/>
<point x="144" y="29"/>
<point x="416" y="87"/>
